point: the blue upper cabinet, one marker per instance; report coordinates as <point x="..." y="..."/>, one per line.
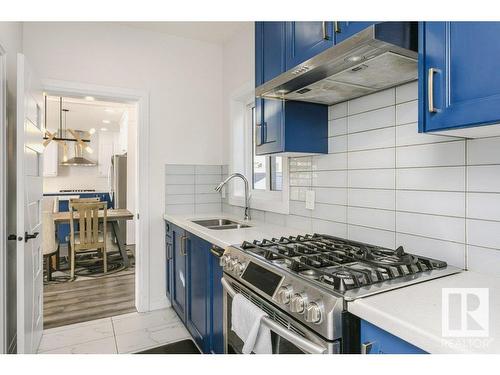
<point x="306" y="39"/>
<point x="292" y="128"/>
<point x="459" y="84"/>
<point x="346" y="29"/>
<point x="269" y="51"/>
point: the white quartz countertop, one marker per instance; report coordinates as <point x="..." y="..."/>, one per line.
<point x="414" y="313"/>
<point x="258" y="230"/>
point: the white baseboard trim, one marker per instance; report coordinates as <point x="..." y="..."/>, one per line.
<point x="161" y="303"/>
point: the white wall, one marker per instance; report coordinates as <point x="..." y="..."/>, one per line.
<point x="239" y="70"/>
<point x="11" y="34"/>
<point x="184" y="80"/>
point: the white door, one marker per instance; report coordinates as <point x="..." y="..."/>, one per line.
<point x="29" y="207"/>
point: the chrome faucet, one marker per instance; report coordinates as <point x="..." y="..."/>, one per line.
<point x="247" y="197"/>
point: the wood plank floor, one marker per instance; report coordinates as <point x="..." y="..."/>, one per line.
<point x="81" y="301"/>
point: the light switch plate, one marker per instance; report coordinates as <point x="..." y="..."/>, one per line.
<point x="310" y="199"/>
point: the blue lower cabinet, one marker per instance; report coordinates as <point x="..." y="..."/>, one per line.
<point x="216" y="304"/>
<point x="198" y="292"/>
<point x="193" y="286"/>
<point x="290" y="127"/>
<point x="459" y="84"/>
<point x="375" y="340"/>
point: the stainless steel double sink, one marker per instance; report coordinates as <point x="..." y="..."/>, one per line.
<point x="220" y="224"/>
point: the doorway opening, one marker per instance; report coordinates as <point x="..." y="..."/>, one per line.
<point x="90" y="156"/>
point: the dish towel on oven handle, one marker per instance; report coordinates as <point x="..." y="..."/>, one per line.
<point x="246" y="323"/>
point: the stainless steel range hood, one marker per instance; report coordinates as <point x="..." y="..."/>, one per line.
<point x="381" y="56"/>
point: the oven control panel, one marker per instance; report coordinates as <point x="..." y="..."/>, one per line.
<point x="305" y="301"/>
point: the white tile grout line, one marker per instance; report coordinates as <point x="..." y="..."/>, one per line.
<point x="114" y="335"/>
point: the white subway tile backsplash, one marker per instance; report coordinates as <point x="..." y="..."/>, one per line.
<point x="433" y="226"/>
<point x="274" y="218"/>
<point x="180" y="209"/>
<point x="205" y="189"/>
<point x="483" y="260"/>
<point x="337" y="144"/>
<point x="300" y="164"/>
<point x="337" y="127"/>
<point x="329" y="227"/>
<point x="300" y="178"/>
<point x="407" y="112"/>
<point x="376" y="119"/>
<point x="483" y="233"/>
<point x="208" y="169"/>
<point x="381" y="158"/>
<point x="484" y="206"/>
<point x="331" y="212"/>
<point x="431" y="155"/>
<point x="207" y="179"/>
<point x="372" y="198"/>
<point x="179" y="189"/>
<point x="298" y="193"/>
<point x="330" y="195"/>
<point x="180" y="179"/>
<point x="299" y="222"/>
<point x="484" y="178"/>
<point x="379" y="138"/>
<point x="207" y="208"/>
<point x="407" y="92"/>
<point x="483" y="151"/>
<point x="372" y="236"/>
<point x="329" y="162"/>
<point x="299" y="208"/>
<point x="373" y="101"/>
<point x="179" y="199"/>
<point x="179" y="169"/>
<point x="370" y="217"/>
<point x="438" y="178"/>
<point x="431" y="202"/>
<point x="407" y="135"/>
<point x="208" y="198"/>
<point x="337" y="110"/>
<point x="451" y="252"/>
<point x="329" y="179"/>
<point x="372" y="179"/>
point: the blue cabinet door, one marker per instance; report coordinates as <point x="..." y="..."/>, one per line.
<point x="346" y="29"/>
<point x="459" y="84"/>
<point x="304" y="40"/>
<point x="269" y="51"/>
<point x="271" y="126"/>
<point x="216" y="305"/>
<point x="198" y="252"/>
<point x="178" y="288"/>
<point x="377" y="341"/>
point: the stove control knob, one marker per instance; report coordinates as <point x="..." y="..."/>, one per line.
<point x="314" y="313"/>
<point x="284" y="294"/>
<point x="239" y="268"/>
<point x="224" y="260"/>
<point x="298" y="303"/>
<point x="231" y="266"/>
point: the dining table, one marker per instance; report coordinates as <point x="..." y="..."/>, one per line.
<point x="113" y="216"/>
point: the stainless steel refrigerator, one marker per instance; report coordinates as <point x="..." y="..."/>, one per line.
<point x="117" y="182"/>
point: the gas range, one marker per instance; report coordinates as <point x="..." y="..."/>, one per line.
<point x="313" y="277"/>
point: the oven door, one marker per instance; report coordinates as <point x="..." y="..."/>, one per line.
<point x="287" y="335"/>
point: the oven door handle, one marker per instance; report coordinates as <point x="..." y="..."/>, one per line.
<point x="301" y="342"/>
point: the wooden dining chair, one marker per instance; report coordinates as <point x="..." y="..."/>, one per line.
<point x="88" y="238"/>
<point x="83" y="200"/>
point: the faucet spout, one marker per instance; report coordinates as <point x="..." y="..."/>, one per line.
<point x="247" y="197"/>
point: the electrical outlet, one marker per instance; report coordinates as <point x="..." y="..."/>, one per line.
<point x="310" y="199"/>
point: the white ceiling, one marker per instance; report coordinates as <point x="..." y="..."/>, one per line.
<point x="212" y="32"/>
<point x="84" y="114"/>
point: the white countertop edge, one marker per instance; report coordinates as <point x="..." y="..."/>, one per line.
<point x="224" y="238"/>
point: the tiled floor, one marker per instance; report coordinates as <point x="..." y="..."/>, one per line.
<point x="127" y="333"/>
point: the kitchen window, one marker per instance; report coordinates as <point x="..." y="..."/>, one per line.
<point x="267" y="174"/>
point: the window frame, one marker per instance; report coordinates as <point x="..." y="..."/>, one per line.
<point x="242" y="141"/>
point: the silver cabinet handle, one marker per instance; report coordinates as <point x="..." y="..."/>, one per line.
<point x="324" y="30"/>
<point x="366" y="347"/>
<point x="430" y="89"/>
<point x="183" y="245"/>
<point x="301" y="342"/>
<point x="337" y="27"/>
